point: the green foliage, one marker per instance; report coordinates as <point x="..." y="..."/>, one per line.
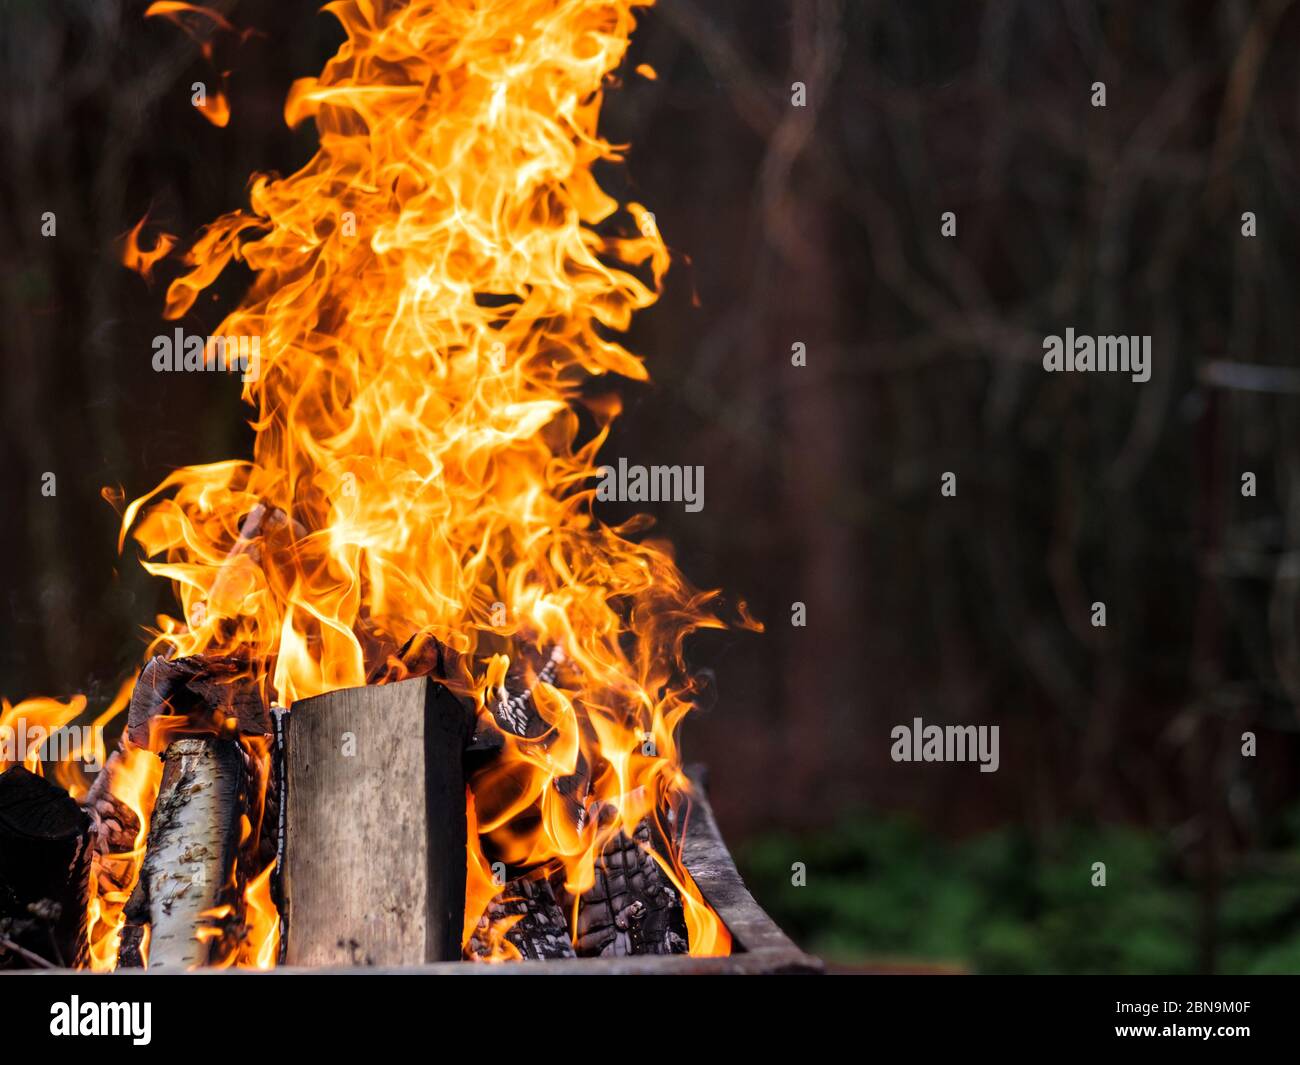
<point x="1008" y="902"/>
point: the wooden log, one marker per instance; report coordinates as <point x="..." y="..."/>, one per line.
<point x="44" y="872"/>
<point x="374" y="855"/>
<point x="114" y="827"/>
<point x="216" y="695"/>
<point x="193" y="840"/>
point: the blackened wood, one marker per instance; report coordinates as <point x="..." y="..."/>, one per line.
<point x="632" y="908"/>
<point x="217" y="695"/>
<point x="44" y="870"/>
<point x="190" y="855"/>
<point x="540" y="930"/>
<point x="375" y="859"/>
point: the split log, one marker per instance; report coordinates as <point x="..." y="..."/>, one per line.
<point x="374" y="856"/>
<point x="193" y="840"/>
<point x="540" y="930"/>
<point x="44" y="872"/>
<point x="216" y="695"/>
<point x="632" y="908"/>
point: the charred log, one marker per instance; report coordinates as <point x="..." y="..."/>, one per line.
<point x="114" y="828"/>
<point x="632" y="908"/>
<point x="538" y="928"/>
<point x="217" y="696"/>
<point x="44" y="873"/>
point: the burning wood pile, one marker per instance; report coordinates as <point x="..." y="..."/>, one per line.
<point x="367" y="846"/>
<point x="419" y="703"/>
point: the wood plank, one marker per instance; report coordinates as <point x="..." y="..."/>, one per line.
<point x="374" y="848"/>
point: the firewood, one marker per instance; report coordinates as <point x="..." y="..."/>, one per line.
<point x="113" y="831"/>
<point x="44" y="872"/>
<point x="540" y="931"/>
<point x="374" y="852"/>
<point x="216" y="694"/>
<point x="193" y="838"/>
<point x="632" y="908"/>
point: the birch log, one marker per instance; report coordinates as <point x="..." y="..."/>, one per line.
<point x="191" y="851"/>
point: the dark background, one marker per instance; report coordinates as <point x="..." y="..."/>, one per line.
<point x="822" y="225"/>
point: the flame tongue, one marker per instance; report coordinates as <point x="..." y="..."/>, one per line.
<point x="431" y="293"/>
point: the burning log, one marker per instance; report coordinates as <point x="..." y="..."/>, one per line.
<point x="632" y="908"/>
<point x="216" y="694"/>
<point x="374" y="848"/>
<point x="44" y="872"/>
<point x="539" y="928"/>
<point x="113" y="832"/>
<point x="193" y="839"/>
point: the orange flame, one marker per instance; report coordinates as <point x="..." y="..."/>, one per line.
<point x="434" y="293"/>
<point x="27" y="727"/>
<point x="136" y="776"/>
<point x="140" y="260"/>
<point x="201" y="25"/>
<point x="262" y="943"/>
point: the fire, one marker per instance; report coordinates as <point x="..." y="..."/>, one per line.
<point x="437" y="294"/>
<point x="262" y="945"/>
<point x="28" y="726"/>
<point x="136" y="775"/>
<point x="142" y="260"/>
<point x="203" y="26"/>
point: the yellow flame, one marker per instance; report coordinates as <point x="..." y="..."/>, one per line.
<point x="437" y="296"/>
<point x="135" y="778"/>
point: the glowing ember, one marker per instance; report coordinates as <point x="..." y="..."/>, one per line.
<point x="434" y="292"/>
